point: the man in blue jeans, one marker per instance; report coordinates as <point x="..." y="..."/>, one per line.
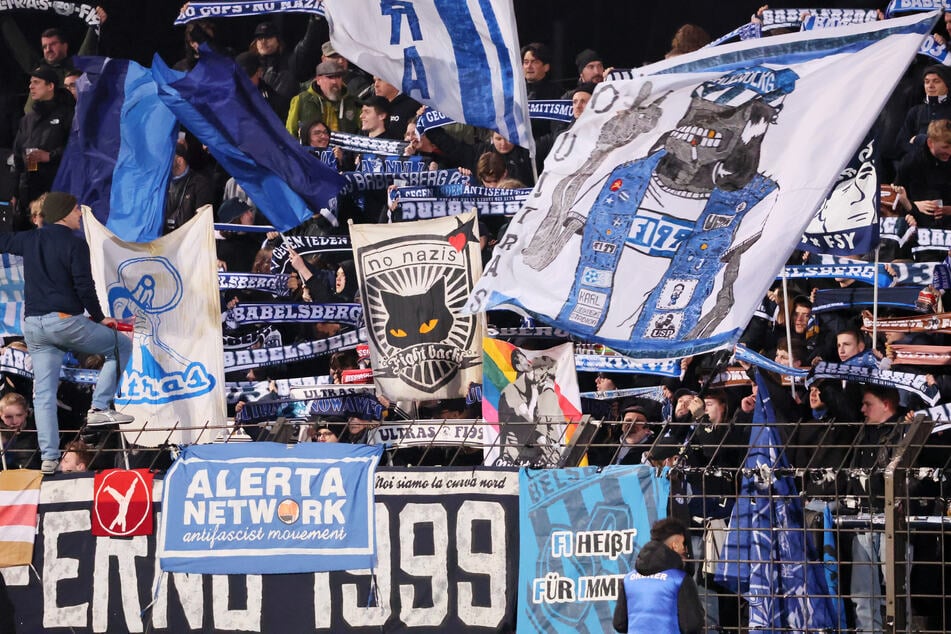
<point x="58" y="289"/>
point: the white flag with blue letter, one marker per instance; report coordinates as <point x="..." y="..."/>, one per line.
<point x="664" y="214"/>
<point x="458" y="56"/>
<point x="168" y="288"/>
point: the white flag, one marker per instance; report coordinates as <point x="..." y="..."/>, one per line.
<point x="169" y="287"/>
<point x="664" y="214"/>
<point x="458" y="56"/>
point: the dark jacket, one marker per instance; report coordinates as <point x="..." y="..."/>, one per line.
<point x="402" y="109"/>
<point x="925" y="178"/>
<point x="518" y="163"/>
<point x="655" y="557"/>
<point x="46" y="128"/>
<point x="874" y="447"/>
<point x="21" y="448"/>
<point x="56" y="271"/>
<point x="185" y="195"/>
<point x="920" y="115"/>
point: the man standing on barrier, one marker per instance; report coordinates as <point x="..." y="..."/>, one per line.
<point x="58" y="289"/>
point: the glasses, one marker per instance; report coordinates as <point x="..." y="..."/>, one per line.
<point x="321" y="132"/>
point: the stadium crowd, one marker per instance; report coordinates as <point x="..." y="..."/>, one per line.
<point x="838" y="436"/>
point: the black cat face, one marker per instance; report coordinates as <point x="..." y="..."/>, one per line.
<point x="415" y="319"/>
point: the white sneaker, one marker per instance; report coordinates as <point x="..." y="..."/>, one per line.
<point x="49" y="467"/>
<point x="97" y="417"/>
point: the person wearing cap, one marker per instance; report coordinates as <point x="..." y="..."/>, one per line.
<point x="58" y="289"/>
<point x="325" y="99"/>
<point x="590" y="67"/>
<point x="54" y="48"/>
<point x="188" y="190"/>
<point x="659" y="596"/>
<point x="42" y="135"/>
<point x="402" y="107"/>
<point x="274" y="61"/>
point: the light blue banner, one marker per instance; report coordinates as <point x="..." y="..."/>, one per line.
<point x="269" y="508"/>
<point x="580" y="532"/>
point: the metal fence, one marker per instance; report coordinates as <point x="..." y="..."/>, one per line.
<point x="889" y="501"/>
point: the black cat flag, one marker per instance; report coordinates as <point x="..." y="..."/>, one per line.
<point x="414" y="279"/>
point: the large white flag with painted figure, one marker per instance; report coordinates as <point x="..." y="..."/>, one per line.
<point x="458" y="56"/>
<point x="664" y="214"/>
<point x="169" y="288"/>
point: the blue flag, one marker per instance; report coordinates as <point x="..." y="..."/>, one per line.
<point x="765" y="556"/>
<point x="831" y="567"/>
<point x="119" y="154"/>
<point x="218" y="103"/>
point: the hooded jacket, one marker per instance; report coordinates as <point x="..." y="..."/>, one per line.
<point x="649" y="609"/>
<point x="915" y="127"/>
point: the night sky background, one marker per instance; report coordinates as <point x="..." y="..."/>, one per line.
<point x="626" y="33"/>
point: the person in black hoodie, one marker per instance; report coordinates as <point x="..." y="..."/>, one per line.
<point x="659" y="596"/>
<point x="936" y="105"/>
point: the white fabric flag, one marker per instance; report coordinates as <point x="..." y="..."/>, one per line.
<point x="414" y="278"/>
<point x="458" y="56"/>
<point x="664" y="214"/>
<point x="169" y="287"/>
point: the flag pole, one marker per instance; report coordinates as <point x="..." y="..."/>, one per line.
<point x="792" y="379"/>
<point x="875" y="302"/>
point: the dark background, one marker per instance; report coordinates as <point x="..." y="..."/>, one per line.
<point x="626" y="33"/>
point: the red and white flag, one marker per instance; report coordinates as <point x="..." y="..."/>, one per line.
<point x="19" y="498"/>
<point x="122" y="503"/>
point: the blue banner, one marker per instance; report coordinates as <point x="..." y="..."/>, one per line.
<point x="898" y="7"/>
<point x="905" y="297"/>
<point x="307" y="313"/>
<point x="11" y="295"/>
<point x="263" y="508"/>
<point x="627" y="365"/>
<point x="742" y="353"/>
<point x="581" y="530"/>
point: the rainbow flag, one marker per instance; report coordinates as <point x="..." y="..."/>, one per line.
<point x="19" y="499"/>
<point x="530" y="399"/>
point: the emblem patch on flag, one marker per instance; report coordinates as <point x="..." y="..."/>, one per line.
<point x="122" y="503"/>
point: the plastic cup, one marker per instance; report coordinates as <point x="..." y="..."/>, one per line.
<point x="32" y="164"/>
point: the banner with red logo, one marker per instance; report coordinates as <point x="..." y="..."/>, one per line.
<point x="122" y="503"/>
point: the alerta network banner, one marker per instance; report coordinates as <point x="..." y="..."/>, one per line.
<point x="581" y="530"/>
<point x="269" y="508"/>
